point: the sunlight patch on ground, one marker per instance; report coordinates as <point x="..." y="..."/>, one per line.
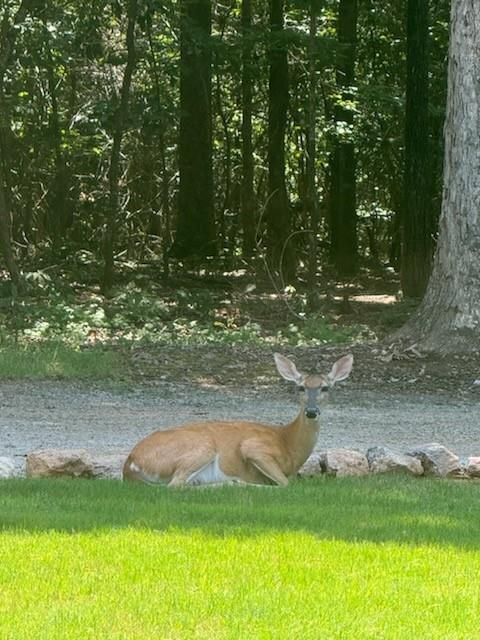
<point x="143" y="584"/>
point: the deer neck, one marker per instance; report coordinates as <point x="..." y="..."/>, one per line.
<point x="301" y="436"/>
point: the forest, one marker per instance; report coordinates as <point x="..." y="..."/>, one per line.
<point x="159" y="158"/>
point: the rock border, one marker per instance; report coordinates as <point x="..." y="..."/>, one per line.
<point x="432" y="459"/>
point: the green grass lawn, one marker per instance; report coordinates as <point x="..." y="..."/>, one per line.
<point x="376" y="558"/>
<point x="57" y="360"/>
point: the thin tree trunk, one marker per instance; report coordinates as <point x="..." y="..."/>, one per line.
<point x="60" y="208"/>
<point x="195" y="233"/>
<point x="8" y="34"/>
<point x="417" y="245"/>
<point x="227" y="158"/>
<point x="342" y="201"/>
<point x="114" y="171"/>
<point x="311" y="157"/>
<point x="165" y="199"/>
<point x="6" y="239"/>
<point x="280" y="253"/>
<point x="162" y="223"/>
<point x="448" y="319"/>
<point x="248" y="197"/>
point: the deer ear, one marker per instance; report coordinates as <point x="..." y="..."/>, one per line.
<point x="341" y="369"/>
<point x="287" y="369"/>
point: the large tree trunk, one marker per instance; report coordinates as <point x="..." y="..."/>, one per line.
<point x="279" y="251"/>
<point x="417" y="246"/>
<point x="248" y="198"/>
<point x="195" y="233"/>
<point x="342" y="201"/>
<point x="114" y="169"/>
<point x="449" y="316"/>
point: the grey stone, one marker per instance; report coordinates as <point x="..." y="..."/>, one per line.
<point x="438" y="461"/>
<point x="312" y="466"/>
<point x="385" y="460"/>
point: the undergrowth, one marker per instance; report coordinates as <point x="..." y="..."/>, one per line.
<point x="63" y="326"/>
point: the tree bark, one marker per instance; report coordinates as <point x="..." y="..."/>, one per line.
<point x="160" y="223"/>
<point x="280" y="253"/>
<point x="8" y="34"/>
<point x="195" y="232"/>
<point x="448" y="319"/>
<point x="342" y="201"/>
<point x="311" y="158"/>
<point x="60" y="204"/>
<point x="417" y="245"/>
<point x="114" y="170"/>
<point x="248" y="197"/>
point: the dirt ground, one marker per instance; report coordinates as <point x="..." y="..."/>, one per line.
<point x="394" y="398"/>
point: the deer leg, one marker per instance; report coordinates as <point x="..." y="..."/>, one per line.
<point x="266" y="464"/>
<point x="270" y="469"/>
<point x="200" y="468"/>
<point x="256" y="453"/>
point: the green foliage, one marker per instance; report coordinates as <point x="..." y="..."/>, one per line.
<point x="58" y="311"/>
<point x="357" y="558"/>
<point x="63" y="85"/>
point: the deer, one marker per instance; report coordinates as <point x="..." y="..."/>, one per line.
<point x="227" y="452"/>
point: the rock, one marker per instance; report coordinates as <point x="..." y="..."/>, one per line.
<point x="344" y="462"/>
<point x="313" y="466"/>
<point x="7" y="467"/>
<point x="473" y="467"/>
<point x="384" y="460"/>
<point x="108" y="466"/>
<point x="438" y="461"/>
<point x="76" y="463"/>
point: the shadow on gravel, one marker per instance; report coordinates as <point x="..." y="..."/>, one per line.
<point x="374" y="509"/>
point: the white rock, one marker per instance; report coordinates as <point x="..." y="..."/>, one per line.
<point x="438" y="461"/>
<point x="7" y="467"/>
<point x="77" y="463"/>
<point x="473" y="467"/>
<point x="344" y="462"/>
<point x="385" y="460"/>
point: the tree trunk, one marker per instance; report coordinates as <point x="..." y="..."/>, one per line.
<point x="248" y="198"/>
<point x="60" y="215"/>
<point x="8" y="33"/>
<point x="417" y="243"/>
<point x="448" y="319"/>
<point x="280" y="253"/>
<point x="195" y="232"/>
<point x="114" y="171"/>
<point x="6" y="238"/>
<point x="161" y="222"/>
<point x="342" y="201"/>
<point x="226" y="160"/>
<point x="311" y="158"/>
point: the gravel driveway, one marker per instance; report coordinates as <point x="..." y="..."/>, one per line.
<point x="44" y="414"/>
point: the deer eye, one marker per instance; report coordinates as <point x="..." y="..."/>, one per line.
<point x="325" y="389"/>
<point x="301" y="388"/>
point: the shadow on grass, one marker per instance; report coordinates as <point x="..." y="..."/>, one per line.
<point x="375" y="509"/>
